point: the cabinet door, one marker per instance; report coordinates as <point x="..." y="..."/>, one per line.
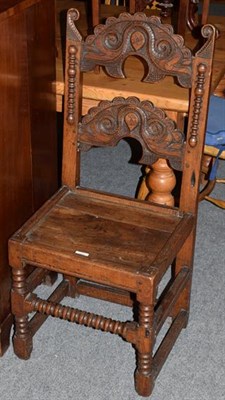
<point x="41" y="74"/>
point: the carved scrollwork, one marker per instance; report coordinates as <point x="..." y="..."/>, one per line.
<point x="162" y="50"/>
<point x="209" y="32"/>
<point x="72" y="32"/>
<point x="111" y="121"/>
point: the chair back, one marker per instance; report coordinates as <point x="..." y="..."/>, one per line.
<point x="164" y="54"/>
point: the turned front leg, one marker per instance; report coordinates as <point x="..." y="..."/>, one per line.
<point x="22" y="339"/>
<point x="143" y="375"/>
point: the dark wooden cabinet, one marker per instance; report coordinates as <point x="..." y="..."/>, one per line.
<point x="28" y="142"/>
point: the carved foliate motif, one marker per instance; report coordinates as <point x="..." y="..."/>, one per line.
<point x="137" y="40"/>
<point x="146" y="37"/>
<point x="111" y="121"/>
<point x="210" y="33"/>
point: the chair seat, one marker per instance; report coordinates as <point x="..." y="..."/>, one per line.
<point x="80" y="231"/>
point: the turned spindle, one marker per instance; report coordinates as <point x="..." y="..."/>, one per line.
<point x="143" y="378"/>
<point x="160" y="182"/>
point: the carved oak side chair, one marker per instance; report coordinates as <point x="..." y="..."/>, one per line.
<point x="107" y="246"/>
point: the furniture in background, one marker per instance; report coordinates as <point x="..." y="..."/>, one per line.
<point x="186" y="11"/>
<point x="164" y="95"/>
<point x="133" y="6"/>
<point x="210" y="155"/>
<point x="28" y="146"/>
<point x="214" y="148"/>
<point x="108" y="246"/>
<point x="188" y="15"/>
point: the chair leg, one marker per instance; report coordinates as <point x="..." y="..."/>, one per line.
<point x="50" y="279"/>
<point x="72" y="290"/>
<point x="184" y="259"/>
<point x="22" y="339"/>
<point x="143" y="375"/>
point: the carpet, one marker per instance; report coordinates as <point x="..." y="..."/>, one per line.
<point x="73" y="362"/>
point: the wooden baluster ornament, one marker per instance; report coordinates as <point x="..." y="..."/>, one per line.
<point x="160" y="182"/>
